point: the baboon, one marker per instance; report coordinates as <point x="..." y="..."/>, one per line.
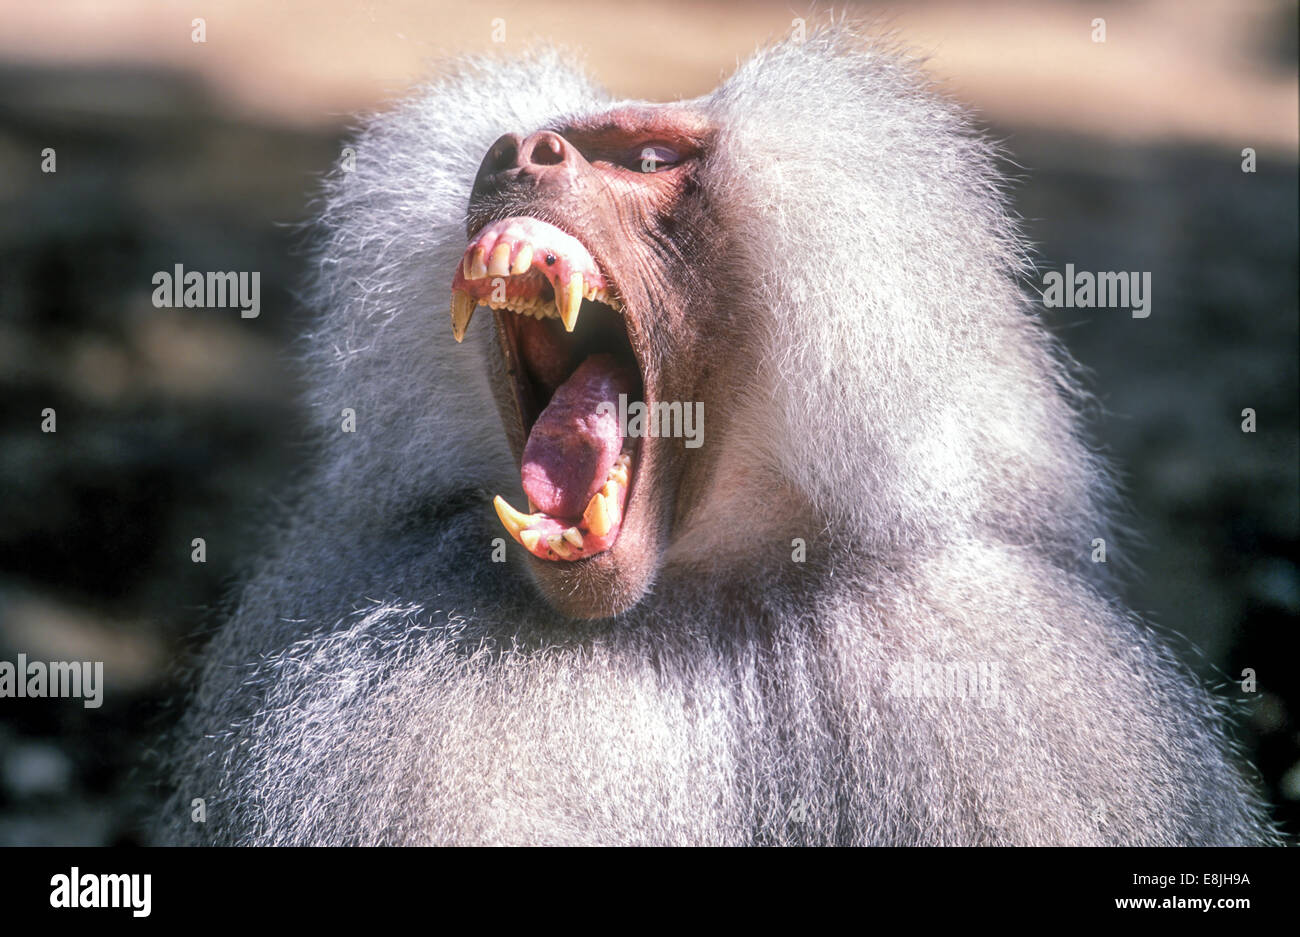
<point x="862" y="610"/>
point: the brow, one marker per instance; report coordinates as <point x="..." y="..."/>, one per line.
<point x="636" y="123"/>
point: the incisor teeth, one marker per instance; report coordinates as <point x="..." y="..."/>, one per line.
<point x="556" y="543"/>
<point x="477" y="268"/>
<point x="499" y="262"/>
<point x="530" y="539"/>
<point x="523" y="260"/>
<point x="568" y="301"/>
<point x="572" y="535"/>
<point x="462" y="310"/>
<point x="597" y="515"/>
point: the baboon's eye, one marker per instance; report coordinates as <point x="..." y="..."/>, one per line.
<point x="653" y="157"/>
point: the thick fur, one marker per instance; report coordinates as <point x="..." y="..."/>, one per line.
<point x="900" y="408"/>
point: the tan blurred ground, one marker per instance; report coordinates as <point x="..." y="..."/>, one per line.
<point x="1193" y="70"/>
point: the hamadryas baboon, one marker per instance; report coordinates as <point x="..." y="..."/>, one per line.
<point x="766" y="637"/>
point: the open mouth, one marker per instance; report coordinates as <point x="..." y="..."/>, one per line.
<point x="576" y="465"/>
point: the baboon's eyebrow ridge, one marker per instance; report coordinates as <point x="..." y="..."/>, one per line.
<point x="676" y="123"/>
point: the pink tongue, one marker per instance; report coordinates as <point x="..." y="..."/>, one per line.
<point x="571" y="447"/>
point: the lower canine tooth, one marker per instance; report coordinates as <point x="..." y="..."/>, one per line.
<point x="462" y="310"/>
<point x="511" y="519"/>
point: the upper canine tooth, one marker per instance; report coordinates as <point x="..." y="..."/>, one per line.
<point x="462" y="310"/>
<point x="569" y="300"/>
<point x="523" y="260"/>
<point x="499" y="262"/>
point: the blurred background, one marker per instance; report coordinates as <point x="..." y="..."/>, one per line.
<point x="179" y="423"/>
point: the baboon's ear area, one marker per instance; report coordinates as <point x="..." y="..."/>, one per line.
<point x="840" y="143"/>
<point x="884" y="282"/>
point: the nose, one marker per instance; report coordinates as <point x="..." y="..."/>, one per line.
<point x="538" y="155"/>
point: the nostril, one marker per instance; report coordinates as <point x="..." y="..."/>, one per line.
<point x="503" y="154"/>
<point x="543" y="148"/>
<point x="548" y="150"/>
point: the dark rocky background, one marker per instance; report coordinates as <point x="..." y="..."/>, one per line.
<point x="175" y="424"/>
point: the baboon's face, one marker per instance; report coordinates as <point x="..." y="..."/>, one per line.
<point x="592" y="244"/>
